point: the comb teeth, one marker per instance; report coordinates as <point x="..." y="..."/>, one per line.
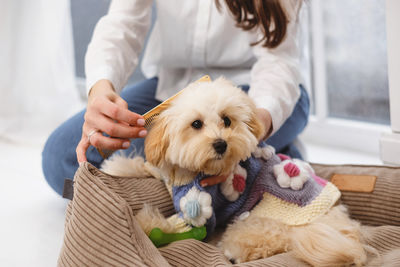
<point x="149" y="121"/>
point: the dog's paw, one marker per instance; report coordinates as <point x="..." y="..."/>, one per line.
<point x="153" y="171"/>
<point x="230" y="251"/>
<point x="235" y="184"/>
<point x="196" y="207"/>
<point x="292" y="173"/>
<point x="265" y="152"/>
<point x="230" y="257"/>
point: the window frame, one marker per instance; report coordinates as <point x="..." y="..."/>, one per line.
<point x="390" y="142"/>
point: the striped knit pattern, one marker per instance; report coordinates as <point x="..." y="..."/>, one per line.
<point x="292" y="214"/>
<point x="100" y="228"/>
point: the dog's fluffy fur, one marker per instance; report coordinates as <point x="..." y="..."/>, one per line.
<point x="331" y="240"/>
<point x="180" y="151"/>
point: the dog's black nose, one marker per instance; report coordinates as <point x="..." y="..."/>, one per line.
<point x="220" y="146"/>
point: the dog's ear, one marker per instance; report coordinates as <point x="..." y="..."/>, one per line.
<point x="156" y="142"/>
<point x="255" y="125"/>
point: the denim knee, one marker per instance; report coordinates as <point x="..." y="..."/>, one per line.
<point x="59" y="157"/>
<point x="51" y="164"/>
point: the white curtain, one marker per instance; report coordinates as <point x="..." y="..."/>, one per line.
<point x="37" y="77"/>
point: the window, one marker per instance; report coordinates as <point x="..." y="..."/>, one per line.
<point x="356" y="63"/>
<point x="349" y="74"/>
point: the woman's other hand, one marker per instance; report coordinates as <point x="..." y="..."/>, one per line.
<point x="108" y="113"/>
<point x="265" y="118"/>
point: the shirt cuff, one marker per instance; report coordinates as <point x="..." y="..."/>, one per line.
<point x="103" y="73"/>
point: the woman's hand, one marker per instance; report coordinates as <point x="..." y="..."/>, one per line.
<point x="108" y="113"/>
<point x="265" y="118"/>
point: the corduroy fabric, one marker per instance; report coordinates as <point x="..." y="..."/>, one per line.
<point x="100" y="228"/>
<point x="382" y="206"/>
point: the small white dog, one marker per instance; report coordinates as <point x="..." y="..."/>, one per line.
<point x="275" y="204"/>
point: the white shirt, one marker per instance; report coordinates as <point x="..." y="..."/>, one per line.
<point x="191" y="39"/>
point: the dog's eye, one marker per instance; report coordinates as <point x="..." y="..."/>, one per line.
<point x="197" y="124"/>
<point x="227" y="121"/>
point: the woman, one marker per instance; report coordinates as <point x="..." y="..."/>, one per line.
<point x="252" y="43"/>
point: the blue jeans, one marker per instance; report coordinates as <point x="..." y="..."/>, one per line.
<point x="59" y="158"/>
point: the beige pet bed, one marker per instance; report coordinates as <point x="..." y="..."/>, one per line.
<point x="101" y="230"/>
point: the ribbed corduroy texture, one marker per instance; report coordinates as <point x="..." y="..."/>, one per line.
<point x="100" y="228"/>
<point x="382" y="206"/>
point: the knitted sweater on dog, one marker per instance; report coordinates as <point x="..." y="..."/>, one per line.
<point x="293" y="207"/>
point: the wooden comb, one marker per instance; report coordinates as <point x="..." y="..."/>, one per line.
<point x="150" y="115"/>
<point x="155" y="112"/>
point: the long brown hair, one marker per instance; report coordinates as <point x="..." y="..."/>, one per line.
<point x="268" y="15"/>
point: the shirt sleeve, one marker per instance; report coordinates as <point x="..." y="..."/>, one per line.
<point x="275" y="77"/>
<point x="117" y="41"/>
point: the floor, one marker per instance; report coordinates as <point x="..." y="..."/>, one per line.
<point x="32" y="226"/>
<point x="33" y="215"/>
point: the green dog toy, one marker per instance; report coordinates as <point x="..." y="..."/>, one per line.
<point x="159" y="238"/>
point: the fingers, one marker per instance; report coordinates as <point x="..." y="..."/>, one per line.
<point x="113" y="128"/>
<point x="121" y="103"/>
<point x="119" y="134"/>
<point x="118" y="110"/>
<point x="266" y="119"/>
<point x="108" y="113"/>
<point x="100" y="141"/>
<point x="81" y="149"/>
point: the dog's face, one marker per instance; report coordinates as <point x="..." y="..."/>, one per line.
<point x="209" y="128"/>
